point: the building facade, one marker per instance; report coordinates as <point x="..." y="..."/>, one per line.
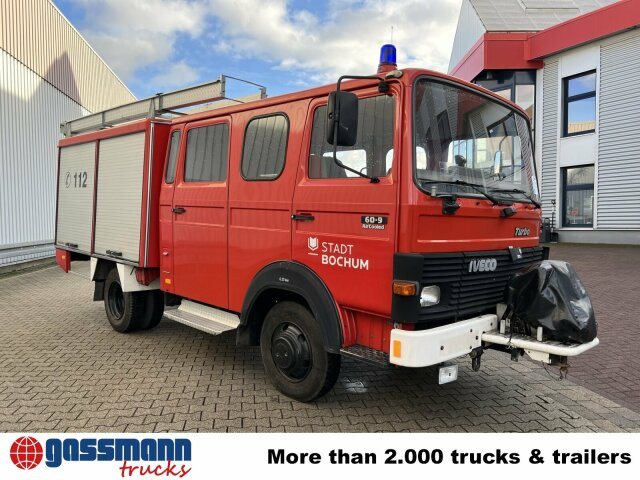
<point x="571" y="65"/>
<point x="48" y="74"/>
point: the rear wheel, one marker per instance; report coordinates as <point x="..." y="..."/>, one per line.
<point x="293" y="353"/>
<point x="125" y="310"/>
<point x="154" y="309"/>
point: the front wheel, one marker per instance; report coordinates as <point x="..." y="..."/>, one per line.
<point x="293" y="353"/>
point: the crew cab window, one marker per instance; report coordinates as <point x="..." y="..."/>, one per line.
<point x="207" y="153"/>
<point x="174" y="146"/>
<point x="265" y="147"/>
<point x="372" y="153"/>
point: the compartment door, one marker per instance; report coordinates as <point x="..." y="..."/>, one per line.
<point x="75" y="196"/>
<point x="119" y="196"/>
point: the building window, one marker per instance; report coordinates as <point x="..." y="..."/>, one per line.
<point x="579" y="105"/>
<point x="207" y="153"/>
<point x="515" y="85"/>
<point x="372" y="153"/>
<point x="265" y="147"/>
<point x="578" y="196"/>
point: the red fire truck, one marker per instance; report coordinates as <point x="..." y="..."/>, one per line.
<point x="380" y="219"/>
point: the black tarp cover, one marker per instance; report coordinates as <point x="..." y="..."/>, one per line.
<point x="550" y="295"/>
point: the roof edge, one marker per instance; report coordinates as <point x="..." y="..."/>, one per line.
<point x="603" y="22"/>
<point x="92" y="49"/>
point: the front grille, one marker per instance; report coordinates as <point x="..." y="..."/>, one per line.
<point x="464" y="293"/>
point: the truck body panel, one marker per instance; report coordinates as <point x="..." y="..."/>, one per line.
<point x="109" y="209"/>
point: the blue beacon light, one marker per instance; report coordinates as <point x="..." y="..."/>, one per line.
<point x="387" y="58"/>
<point x="388" y="55"/>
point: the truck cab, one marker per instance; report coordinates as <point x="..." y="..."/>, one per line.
<point x="381" y="221"/>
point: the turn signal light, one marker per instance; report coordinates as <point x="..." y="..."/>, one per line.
<point x="405" y="289"/>
<point x="397" y="348"/>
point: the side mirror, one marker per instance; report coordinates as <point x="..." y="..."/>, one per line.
<point x="497" y="162"/>
<point x="342" y="112"/>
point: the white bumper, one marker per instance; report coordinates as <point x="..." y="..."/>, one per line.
<point x="429" y="347"/>
<point x="423" y="348"/>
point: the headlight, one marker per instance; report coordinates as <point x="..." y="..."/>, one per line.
<point x="430" y="296"/>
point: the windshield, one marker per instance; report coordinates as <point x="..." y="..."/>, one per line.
<point x="463" y="136"/>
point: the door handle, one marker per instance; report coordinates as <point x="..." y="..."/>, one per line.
<point x="303" y="217"/>
<point x="178" y="210"/>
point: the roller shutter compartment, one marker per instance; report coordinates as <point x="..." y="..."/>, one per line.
<point x="119" y="196"/>
<point x="75" y="196"/>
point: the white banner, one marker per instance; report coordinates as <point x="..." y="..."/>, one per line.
<point x="318" y="456"/>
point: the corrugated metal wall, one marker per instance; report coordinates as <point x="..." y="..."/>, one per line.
<point x="618" y="201"/>
<point x="468" y="31"/>
<point x="37" y="34"/>
<point x="30" y="113"/>
<point x="549" y="136"/>
<point x="48" y="74"/>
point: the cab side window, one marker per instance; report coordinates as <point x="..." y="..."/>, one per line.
<point x="174" y="146"/>
<point x="372" y="153"/>
<point x="207" y="153"/>
<point x="265" y="147"/>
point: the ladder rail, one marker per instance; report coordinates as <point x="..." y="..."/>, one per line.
<point x="152" y="106"/>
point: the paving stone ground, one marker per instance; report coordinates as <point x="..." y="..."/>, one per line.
<point x="62" y="368"/>
<point x="611" y="275"/>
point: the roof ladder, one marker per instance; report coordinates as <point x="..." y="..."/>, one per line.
<point x="151" y="107"/>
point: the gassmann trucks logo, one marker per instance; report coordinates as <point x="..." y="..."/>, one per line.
<point x="159" y="457"/>
<point x="26" y="453"/>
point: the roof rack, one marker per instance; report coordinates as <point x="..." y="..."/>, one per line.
<point x="153" y="106"/>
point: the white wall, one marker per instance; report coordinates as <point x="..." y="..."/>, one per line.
<point x="584" y="149"/>
<point x="31" y="111"/>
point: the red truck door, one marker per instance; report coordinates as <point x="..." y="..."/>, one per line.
<point x="174" y="151"/>
<point x="199" y="213"/>
<point x="264" y="162"/>
<point x="346" y="224"/>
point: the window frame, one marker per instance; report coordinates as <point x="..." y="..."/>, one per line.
<point x="500" y="100"/>
<point x="195" y="126"/>
<point x="177" y="161"/>
<point x="362" y="95"/>
<point x="579" y="187"/>
<point x="286" y="145"/>
<point x="567" y="99"/>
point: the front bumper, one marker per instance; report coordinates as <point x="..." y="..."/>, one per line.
<point x="423" y="348"/>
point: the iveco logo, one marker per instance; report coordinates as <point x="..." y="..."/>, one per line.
<point x="522" y="232"/>
<point x="483" y="265"/>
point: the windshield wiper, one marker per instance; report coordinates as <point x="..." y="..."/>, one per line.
<point x="517" y="190"/>
<point x="477" y="188"/>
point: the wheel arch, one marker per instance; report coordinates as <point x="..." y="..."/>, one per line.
<point x="288" y="280"/>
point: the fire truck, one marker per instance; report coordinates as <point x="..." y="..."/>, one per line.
<point x="380" y="218"/>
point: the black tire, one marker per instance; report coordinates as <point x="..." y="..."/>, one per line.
<point x="125" y="310"/>
<point x="154" y="309"/>
<point x="294" y="355"/>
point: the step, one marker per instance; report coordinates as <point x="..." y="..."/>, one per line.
<point x="202" y="317"/>
<point x="367" y="354"/>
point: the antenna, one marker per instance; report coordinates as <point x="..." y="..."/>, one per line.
<point x="391" y="40"/>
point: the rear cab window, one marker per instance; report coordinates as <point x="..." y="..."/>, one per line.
<point x="207" y="153"/>
<point x="172" y="157"/>
<point x="265" y="147"/>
